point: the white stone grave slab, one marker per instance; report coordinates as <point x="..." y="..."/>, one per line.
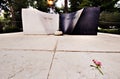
<point x="38" y="22"/>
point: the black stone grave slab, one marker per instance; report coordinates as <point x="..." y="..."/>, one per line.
<point x="87" y="23"/>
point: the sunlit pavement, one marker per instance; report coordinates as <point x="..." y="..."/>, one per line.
<point x="59" y="57"/>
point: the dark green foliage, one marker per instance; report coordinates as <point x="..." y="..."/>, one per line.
<point x="113" y="31"/>
<point x="8" y="29"/>
<point x="108" y="25"/>
<point x="14" y="7"/>
<point x="6" y="26"/>
<point x="75" y="5"/>
<point x="106" y="5"/>
<point x="42" y="5"/>
<point x="12" y="10"/>
<point x="109" y="20"/>
<point x="110" y="16"/>
<point x="1" y="26"/>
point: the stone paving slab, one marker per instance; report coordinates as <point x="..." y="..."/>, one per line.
<point x="24" y="64"/>
<point x="27" y="42"/>
<point x="101" y="42"/>
<point x="76" y="65"/>
<point x="36" y="57"/>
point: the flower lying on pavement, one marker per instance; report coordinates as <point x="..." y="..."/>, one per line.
<point x="97" y="65"/>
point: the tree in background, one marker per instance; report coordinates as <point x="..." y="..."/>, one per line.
<point x="13" y="7"/>
<point x="106" y="5"/>
<point x="38" y="4"/>
<point x="12" y="10"/>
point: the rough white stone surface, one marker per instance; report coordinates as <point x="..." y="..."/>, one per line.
<point x="38" y="22"/>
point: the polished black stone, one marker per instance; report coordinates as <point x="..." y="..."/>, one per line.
<point x="87" y="23"/>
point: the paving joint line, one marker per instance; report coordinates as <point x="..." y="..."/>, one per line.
<point x="51" y="64"/>
<point x="96" y="51"/>
<point x="7" y="49"/>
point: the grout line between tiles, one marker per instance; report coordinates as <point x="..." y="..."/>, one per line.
<point x="54" y="52"/>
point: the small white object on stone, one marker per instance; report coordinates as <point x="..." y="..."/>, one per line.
<point x="58" y="33"/>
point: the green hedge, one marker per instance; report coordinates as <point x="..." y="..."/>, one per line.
<point x="113" y="31"/>
<point x="7" y="26"/>
<point x="103" y="24"/>
<point x="8" y="29"/>
<point x="1" y="26"/>
<point x="109" y="19"/>
<point x="110" y="16"/>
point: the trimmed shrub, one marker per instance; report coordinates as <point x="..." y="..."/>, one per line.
<point x="106" y="25"/>
<point x="109" y="20"/>
<point x="1" y="26"/>
<point x="8" y="29"/>
<point x="110" y="16"/>
<point x="113" y="31"/>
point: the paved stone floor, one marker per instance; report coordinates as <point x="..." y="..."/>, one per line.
<point x="59" y="57"/>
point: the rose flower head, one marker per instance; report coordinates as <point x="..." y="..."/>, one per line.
<point x="97" y="63"/>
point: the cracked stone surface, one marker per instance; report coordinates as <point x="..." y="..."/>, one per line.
<point x="24" y="64"/>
